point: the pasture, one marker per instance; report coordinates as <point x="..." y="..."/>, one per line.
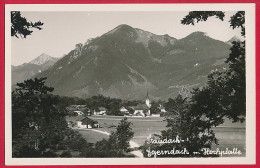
<point x="230" y="135"/>
<point x="142" y="127"/>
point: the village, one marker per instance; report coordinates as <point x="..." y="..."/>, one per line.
<point x="96" y="124"/>
<point x="79" y="115"/>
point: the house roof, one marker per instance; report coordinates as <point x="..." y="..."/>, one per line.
<point x="141" y="107"/>
<point x="147" y="97"/>
<point x="123" y="109"/>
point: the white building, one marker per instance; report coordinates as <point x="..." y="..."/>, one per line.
<point x="87" y="123"/>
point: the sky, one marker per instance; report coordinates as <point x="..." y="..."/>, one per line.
<point x="63" y="30"/>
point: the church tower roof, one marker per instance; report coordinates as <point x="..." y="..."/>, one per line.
<point x="147" y="96"/>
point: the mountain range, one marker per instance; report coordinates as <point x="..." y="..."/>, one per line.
<point x="128" y="62"/>
<point x="28" y="70"/>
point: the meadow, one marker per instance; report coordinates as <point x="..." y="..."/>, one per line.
<point x="230" y="135"/>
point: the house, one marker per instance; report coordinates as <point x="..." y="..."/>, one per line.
<point x="141" y="110"/>
<point x="78" y="110"/>
<point x="124" y="111"/>
<point x="162" y="109"/>
<point x="87" y="123"/>
<point x="100" y="111"/>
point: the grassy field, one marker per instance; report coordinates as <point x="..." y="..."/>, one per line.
<point x="142" y="127"/>
<point x="92" y="136"/>
<point x="230" y="135"/>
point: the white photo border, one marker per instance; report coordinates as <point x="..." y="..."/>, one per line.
<point x="250" y="157"/>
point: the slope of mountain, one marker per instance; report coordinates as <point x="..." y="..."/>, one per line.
<point x="127" y="62"/>
<point x="27" y="70"/>
<point x="234" y="38"/>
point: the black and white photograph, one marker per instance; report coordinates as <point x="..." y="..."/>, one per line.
<point x="149" y="84"/>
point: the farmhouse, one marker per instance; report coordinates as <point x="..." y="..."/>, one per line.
<point x="87" y="123"/>
<point x="124" y="111"/>
<point x="100" y="111"/>
<point x="141" y="110"/>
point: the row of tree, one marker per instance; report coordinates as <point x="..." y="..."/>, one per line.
<point x="112" y="105"/>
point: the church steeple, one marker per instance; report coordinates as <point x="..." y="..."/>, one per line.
<point x="147" y="101"/>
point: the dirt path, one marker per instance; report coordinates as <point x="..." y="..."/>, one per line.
<point x="133" y="144"/>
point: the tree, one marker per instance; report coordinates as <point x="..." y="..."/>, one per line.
<point x="123" y="134"/>
<point x="201" y="16"/>
<point x="73" y="140"/>
<point x="155" y="108"/>
<point x="31" y="109"/>
<point x="117" y="144"/>
<point x="38" y="126"/>
<point x="118" y="140"/>
<point x="226" y="90"/>
<point x="20" y="25"/>
<point x="190" y="131"/>
<point x="224" y="95"/>
<point x="236" y="21"/>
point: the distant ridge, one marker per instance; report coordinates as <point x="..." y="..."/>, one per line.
<point x="27" y="70"/>
<point x="127" y="62"/>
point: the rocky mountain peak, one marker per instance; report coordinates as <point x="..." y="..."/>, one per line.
<point x="42" y="59"/>
<point x="127" y="62"/>
<point x="28" y="70"/>
<point x="124" y="27"/>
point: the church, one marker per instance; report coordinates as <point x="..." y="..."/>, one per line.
<point x="143" y="109"/>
